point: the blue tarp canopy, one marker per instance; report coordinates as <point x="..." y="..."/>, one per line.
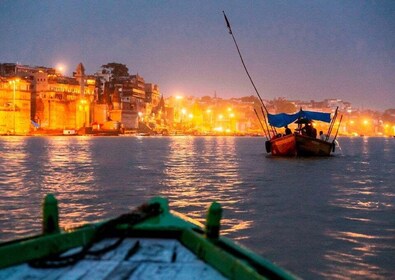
<point x="281" y="120"/>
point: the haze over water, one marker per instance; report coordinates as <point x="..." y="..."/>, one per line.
<point x="328" y="218"/>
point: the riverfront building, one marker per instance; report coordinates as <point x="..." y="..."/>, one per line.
<point x="41" y="99"/>
<point x="15" y="106"/>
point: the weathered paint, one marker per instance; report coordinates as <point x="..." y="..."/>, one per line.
<point x="230" y="259"/>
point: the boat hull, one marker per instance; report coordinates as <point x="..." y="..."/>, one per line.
<point x="152" y="242"/>
<point x="307" y="146"/>
<point x="299" y="145"/>
<point x="283" y="146"/>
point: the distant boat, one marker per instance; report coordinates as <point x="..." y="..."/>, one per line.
<point x="299" y="143"/>
<point x="303" y="141"/>
<point x="150" y="242"/>
<point x="69" y="132"/>
<point x="109" y="128"/>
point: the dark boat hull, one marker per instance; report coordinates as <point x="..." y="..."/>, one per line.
<point x="299" y="145"/>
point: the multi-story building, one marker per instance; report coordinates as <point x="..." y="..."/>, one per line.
<point x="15" y="108"/>
<point x="128" y="101"/>
<point x="53" y="101"/>
<point x="40" y="97"/>
<point x="62" y="102"/>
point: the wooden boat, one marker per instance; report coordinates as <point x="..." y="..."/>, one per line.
<point x="301" y="142"/>
<point x="109" y="128"/>
<point x="69" y="132"/>
<point x="299" y="145"/>
<point x="151" y="242"/>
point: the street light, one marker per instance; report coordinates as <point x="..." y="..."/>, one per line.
<point x="14" y="82"/>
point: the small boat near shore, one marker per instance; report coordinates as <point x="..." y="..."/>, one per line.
<point x="69" y="132"/>
<point x="151" y="242"/>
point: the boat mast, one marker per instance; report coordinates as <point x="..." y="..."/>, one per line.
<point x="264" y="130"/>
<point x="331" y="125"/>
<point x="242" y="61"/>
<point x="334" y="139"/>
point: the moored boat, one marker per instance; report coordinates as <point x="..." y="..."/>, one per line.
<point x="152" y="242"/>
<point x="300" y="143"/>
<point x="304" y="141"/>
<point x="69" y="132"/>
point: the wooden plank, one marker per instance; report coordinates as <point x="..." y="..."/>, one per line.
<point x="121" y="251"/>
<point x="123" y="271"/>
<point x="175" y="271"/>
<point x="154" y="258"/>
<point x="89" y="269"/>
<point x="24" y="271"/>
<point x="154" y="250"/>
<point x="183" y="255"/>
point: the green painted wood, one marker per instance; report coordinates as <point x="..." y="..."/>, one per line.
<point x="230" y="259"/>
<point x="44" y="245"/>
<point x="50" y="215"/>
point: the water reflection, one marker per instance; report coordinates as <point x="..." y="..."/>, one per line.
<point x="337" y="223"/>
<point x="364" y="198"/>
<point x="69" y="173"/>
<point x="37" y="166"/>
<point x="14" y="188"/>
<point x="201" y="170"/>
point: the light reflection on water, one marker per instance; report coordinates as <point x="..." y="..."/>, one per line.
<point x="327" y="218"/>
<point x="193" y="181"/>
<point x="365" y="197"/>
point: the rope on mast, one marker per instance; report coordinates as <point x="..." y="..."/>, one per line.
<point x="242" y="61"/>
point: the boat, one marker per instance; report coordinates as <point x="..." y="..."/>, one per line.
<point x="300" y="143"/>
<point x="109" y="128"/>
<point x="304" y="141"/>
<point x="151" y="242"/>
<point x="69" y="132"/>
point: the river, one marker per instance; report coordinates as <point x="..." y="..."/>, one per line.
<point x="320" y="218"/>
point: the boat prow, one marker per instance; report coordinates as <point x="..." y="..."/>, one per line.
<point x="152" y="242"/>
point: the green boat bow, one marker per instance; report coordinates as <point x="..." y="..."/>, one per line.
<point x="152" y="220"/>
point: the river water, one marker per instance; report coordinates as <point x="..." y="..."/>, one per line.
<point x="320" y="218"/>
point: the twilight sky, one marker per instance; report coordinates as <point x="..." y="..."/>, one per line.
<point x="294" y="49"/>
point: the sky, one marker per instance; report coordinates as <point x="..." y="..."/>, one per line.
<point x="299" y="50"/>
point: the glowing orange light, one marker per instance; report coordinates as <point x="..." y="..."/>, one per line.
<point x="61" y="68"/>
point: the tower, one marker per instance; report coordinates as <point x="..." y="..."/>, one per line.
<point x="80" y="77"/>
